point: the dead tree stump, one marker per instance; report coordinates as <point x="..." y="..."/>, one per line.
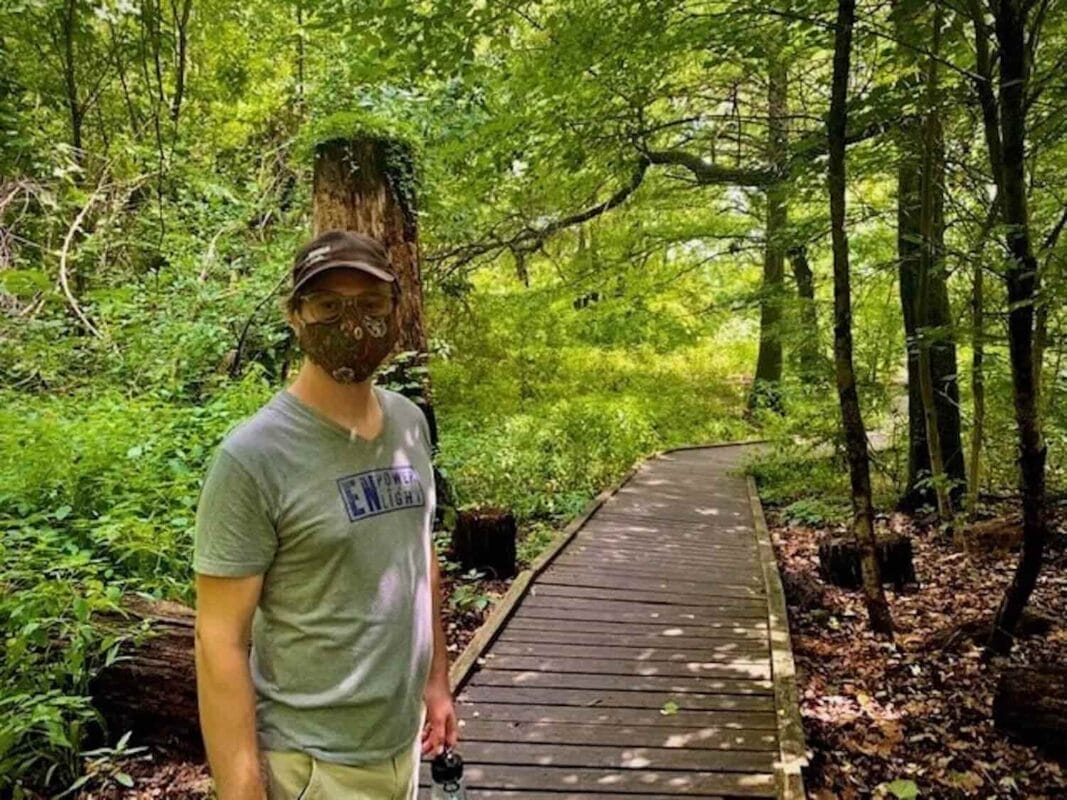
<point x="485" y="539"/>
<point x="1030" y="705"/>
<point x="839" y="561"/>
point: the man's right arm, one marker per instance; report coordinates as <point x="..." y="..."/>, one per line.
<point x="225" y="694"/>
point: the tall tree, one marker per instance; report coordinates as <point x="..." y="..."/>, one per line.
<point x="933" y="389"/>
<point x="931" y="266"/>
<point x="765" y="386"/>
<point x="855" y="434"/>
<point x="1006" y="129"/>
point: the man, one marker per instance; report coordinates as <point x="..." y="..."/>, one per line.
<point x="313" y="542"/>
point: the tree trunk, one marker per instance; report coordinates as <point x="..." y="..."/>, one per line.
<point x="931" y="263"/>
<point x="839" y="561"/>
<point x="766" y="385"/>
<point x="151" y="688"/>
<point x="68" y="20"/>
<point x="809" y="355"/>
<point x="1021" y="278"/>
<point x="940" y="352"/>
<point x="485" y="539"/>
<point x="855" y="435"/>
<point x="974" y="473"/>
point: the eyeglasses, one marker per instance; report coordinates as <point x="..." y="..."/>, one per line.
<point x="327" y="306"/>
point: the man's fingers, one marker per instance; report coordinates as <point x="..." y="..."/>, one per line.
<point x="451" y="730"/>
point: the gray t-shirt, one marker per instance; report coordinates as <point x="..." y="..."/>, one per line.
<point x="342" y="638"/>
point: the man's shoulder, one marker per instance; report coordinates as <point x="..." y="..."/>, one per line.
<point x="402" y="401"/>
<point x="412" y="415"/>
<point x="252" y="437"/>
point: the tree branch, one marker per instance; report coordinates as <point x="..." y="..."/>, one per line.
<point x="529" y="240"/>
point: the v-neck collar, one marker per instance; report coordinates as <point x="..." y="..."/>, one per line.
<point x="316" y="416"/>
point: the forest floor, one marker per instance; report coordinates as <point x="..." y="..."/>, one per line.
<point x="886" y="720"/>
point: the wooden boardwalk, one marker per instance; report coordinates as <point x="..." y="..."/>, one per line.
<point x="645" y="657"/>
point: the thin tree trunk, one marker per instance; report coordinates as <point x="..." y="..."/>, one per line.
<point x="1021" y="279"/>
<point x="766" y="386"/>
<point x="181" y="31"/>
<point x="855" y="435"/>
<point x="809" y="353"/>
<point x="300" y="57"/>
<point x="67" y="21"/>
<point x="940" y="352"/>
<point x="977" y="361"/>
<point x="930" y="260"/>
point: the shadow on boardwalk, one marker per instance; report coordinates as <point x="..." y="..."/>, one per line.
<point x="648" y="656"/>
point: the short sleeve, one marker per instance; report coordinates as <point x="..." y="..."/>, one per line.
<point x="424" y="426"/>
<point x="234" y="534"/>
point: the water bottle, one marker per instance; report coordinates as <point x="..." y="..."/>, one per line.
<point x="447" y="772"/>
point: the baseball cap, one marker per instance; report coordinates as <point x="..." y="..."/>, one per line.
<point x="337" y="248"/>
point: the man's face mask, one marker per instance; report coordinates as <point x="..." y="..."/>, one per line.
<point x="347" y="335"/>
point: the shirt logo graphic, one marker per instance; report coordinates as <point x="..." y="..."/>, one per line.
<point x="379" y="491"/>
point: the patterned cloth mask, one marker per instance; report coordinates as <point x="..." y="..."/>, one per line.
<point x="351" y="348"/>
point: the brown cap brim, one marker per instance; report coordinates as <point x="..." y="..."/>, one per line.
<point x="361" y="265"/>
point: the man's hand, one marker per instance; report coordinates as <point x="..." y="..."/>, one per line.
<point x="441" y="728"/>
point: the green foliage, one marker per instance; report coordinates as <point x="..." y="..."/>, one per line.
<point x="98" y="499"/>
<point x="467" y="596"/>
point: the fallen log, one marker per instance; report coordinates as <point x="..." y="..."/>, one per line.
<point x="151" y="688"/>
<point x="1030" y="705"/>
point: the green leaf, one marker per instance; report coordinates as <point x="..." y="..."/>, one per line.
<point x="669" y="708"/>
<point x="124" y="779"/>
<point x="903" y="789"/>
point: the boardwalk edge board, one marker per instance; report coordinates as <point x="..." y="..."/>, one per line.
<point x="483" y="638"/>
<point x="792" y="748"/>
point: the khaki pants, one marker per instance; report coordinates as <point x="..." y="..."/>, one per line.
<point x="296" y="775"/>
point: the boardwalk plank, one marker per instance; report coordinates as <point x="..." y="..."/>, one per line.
<point x="534" y="619"/>
<point x="705" y="737"/>
<point x="701" y="684"/>
<point x="650" y="717"/>
<point x="649" y="566"/>
<point x="621" y="757"/>
<point x="576" y="650"/>
<point x="623" y="782"/>
<point x="573" y="583"/>
<point x="738" y="668"/>
<point x="599" y="638"/>
<point x="602" y="698"/>
<point x="610" y="610"/>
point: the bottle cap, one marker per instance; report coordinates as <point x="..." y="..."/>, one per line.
<point x="446" y="766"/>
